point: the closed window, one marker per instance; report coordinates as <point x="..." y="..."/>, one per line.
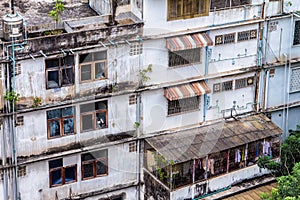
<point x="295" y="80"/>
<point x="94" y="164"/>
<point x="221" y="4"/>
<point x="59" y="72"/>
<point x="60" y="175"/>
<point x="183" y="105"/>
<point x="184" y="9"/>
<point x="297" y="33"/>
<point x="227" y="86"/>
<point x="244" y="82"/>
<point x="61" y="122"/>
<point x="93" y="66"/>
<point x="225" y="39"/>
<point x="247" y="35"/>
<point x="93" y="116"/>
<point x="184" y="57"/>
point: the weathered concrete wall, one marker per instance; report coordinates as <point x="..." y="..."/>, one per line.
<point x="119" y="172"/>
<point x="32" y="136"/>
<point x="155" y="113"/>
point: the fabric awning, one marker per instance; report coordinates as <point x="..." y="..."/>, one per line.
<point x="186" y="90"/>
<point x="198" y="142"/>
<point x="189" y="42"/>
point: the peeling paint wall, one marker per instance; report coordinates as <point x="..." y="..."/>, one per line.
<point x="118" y="172"/>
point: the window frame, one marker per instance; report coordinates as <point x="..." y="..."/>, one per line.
<point x="291" y="75"/>
<point x="94" y="162"/>
<point x="178" y="56"/>
<point x="177" y="111"/>
<point x="61" y="123"/>
<point x="93" y="63"/>
<point x="62" y="171"/>
<point x="94" y="116"/>
<point x="181" y="4"/>
<point x="60" y="69"/>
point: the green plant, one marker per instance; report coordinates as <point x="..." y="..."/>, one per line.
<point x="57" y="10"/>
<point x="36" y="102"/>
<point x="11" y="96"/>
<point x="136" y="125"/>
<point x="144" y="73"/>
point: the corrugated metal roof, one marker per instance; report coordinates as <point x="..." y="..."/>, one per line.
<point x="253" y="194"/>
<point x="199" y="142"/>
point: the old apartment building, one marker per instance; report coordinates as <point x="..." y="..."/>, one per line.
<point x="132" y="99"/>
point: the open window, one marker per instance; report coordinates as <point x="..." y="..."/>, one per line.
<point x="94" y="164"/>
<point x="93" y="116"/>
<point x="59" y="72"/>
<point x="93" y="66"/>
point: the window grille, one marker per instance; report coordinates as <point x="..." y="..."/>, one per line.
<point x="297" y="33"/>
<point x="136" y="49"/>
<point x="132" y="147"/>
<point x="132" y="99"/>
<point x="295" y="80"/>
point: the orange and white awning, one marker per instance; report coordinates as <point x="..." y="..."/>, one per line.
<point x="186" y="90"/>
<point x="189" y="42"/>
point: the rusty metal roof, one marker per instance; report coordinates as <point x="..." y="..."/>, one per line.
<point x="199" y="142"/>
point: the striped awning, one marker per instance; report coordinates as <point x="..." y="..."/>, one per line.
<point x="186" y="90"/>
<point x="189" y="42"/>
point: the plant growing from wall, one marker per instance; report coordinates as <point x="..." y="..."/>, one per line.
<point x="11" y="96"/>
<point x="36" y="102"/>
<point x="57" y="10"/>
<point x="136" y="125"/>
<point x="144" y="74"/>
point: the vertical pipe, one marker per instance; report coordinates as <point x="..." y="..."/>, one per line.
<point x="194" y="163"/>
<point x="12" y="7"/>
<point x="266" y="90"/>
<point x="3" y="152"/>
<point x="207" y="58"/>
<point x="284" y="97"/>
<point x="280" y="44"/>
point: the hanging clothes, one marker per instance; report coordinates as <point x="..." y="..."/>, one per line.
<point x="211" y="166"/>
<point x="266" y="148"/>
<point x="237" y="156"/>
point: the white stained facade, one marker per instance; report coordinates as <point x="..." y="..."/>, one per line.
<point x="102" y="101"/>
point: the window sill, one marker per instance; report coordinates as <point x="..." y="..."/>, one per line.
<point x="90" y="178"/>
<point x="60" y="136"/>
<point x="92" y="80"/>
<point x="89" y="130"/>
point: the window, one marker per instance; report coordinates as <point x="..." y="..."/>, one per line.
<point x="59" y="72"/>
<point x="183" y="105"/>
<point x="295" y="80"/>
<point x="184" y="57"/>
<point x="21" y="171"/>
<point x="93" y="116"/>
<point x="19" y="121"/>
<point x="60" y="175"/>
<point x="18" y="69"/>
<point x="244" y="82"/>
<point x="247" y="35"/>
<point x="132" y="99"/>
<point x="219" y="4"/>
<point x="94" y="164"/>
<point x="225" y="39"/>
<point x="184" y="9"/>
<point x="227" y="86"/>
<point x="132" y="147"/>
<point x="93" y="66"/>
<point x="123" y="2"/>
<point x="136" y="49"/>
<point x="61" y="122"/>
<point x="297" y="33"/>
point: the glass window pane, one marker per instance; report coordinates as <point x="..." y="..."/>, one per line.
<point x="68" y="60"/>
<point x="87" y="107"/>
<point x="88" y="170"/>
<point x="68" y="126"/>
<point x="101" y="120"/>
<point x="54" y="127"/>
<point x="70" y="174"/>
<point x="55" y="163"/>
<point x="85" y="58"/>
<point x="87" y="122"/>
<point x="67" y="76"/>
<point x="87" y="156"/>
<point x="69" y="111"/>
<point x="85" y="72"/>
<point x="53" y="114"/>
<point x="100" y="55"/>
<point x="101" y="167"/>
<point x="102" y="105"/>
<point x="100" y="70"/>
<point x="52" y="63"/>
<point x="53" y="79"/>
<point x="56" y="177"/>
